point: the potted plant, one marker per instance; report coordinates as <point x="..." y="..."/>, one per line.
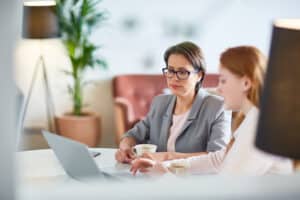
<point x="77" y="20"/>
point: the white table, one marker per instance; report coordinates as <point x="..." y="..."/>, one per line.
<point x="42" y="166"/>
<point x="44" y="179"/>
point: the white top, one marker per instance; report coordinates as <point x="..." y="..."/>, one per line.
<point x="178" y="121"/>
<point x="242" y="158"/>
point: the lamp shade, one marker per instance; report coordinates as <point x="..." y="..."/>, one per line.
<point x="39" y="20"/>
<point x="278" y="130"/>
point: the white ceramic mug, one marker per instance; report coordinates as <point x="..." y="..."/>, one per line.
<point x="140" y="149"/>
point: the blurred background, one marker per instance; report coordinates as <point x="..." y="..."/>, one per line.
<point x="133" y="40"/>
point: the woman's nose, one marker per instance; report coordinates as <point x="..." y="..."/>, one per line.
<point x="175" y="78"/>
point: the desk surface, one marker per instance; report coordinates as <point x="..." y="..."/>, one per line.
<point x="43" y="178"/>
<point x="43" y="164"/>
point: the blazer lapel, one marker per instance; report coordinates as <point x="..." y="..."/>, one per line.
<point x="194" y="110"/>
<point x="166" y="123"/>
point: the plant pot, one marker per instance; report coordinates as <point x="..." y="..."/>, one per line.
<point x="85" y="128"/>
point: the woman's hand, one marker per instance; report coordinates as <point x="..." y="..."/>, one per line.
<point x="141" y="164"/>
<point x="145" y="165"/>
<point x="124" y="155"/>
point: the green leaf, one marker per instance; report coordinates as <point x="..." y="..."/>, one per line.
<point x="102" y="63"/>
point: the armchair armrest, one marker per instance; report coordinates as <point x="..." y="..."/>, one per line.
<point x="123" y="117"/>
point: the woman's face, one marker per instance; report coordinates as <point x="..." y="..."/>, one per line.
<point x="179" y="63"/>
<point x="233" y="88"/>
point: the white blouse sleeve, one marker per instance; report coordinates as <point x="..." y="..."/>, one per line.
<point x="204" y="164"/>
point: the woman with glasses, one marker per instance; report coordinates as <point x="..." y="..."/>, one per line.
<point x="241" y="79"/>
<point x="188" y="121"/>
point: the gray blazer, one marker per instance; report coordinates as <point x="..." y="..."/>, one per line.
<point x="208" y="126"/>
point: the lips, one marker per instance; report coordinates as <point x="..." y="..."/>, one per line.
<point x="175" y="86"/>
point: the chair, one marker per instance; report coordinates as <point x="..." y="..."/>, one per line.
<point x="133" y="95"/>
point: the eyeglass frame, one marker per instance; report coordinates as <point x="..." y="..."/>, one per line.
<point x="175" y="72"/>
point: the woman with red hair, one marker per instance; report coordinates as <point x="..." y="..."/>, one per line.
<point x="241" y="80"/>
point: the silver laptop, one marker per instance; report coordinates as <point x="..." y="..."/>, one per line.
<point x="76" y="159"/>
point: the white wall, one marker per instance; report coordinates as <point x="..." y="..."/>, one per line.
<point x="213" y="24"/>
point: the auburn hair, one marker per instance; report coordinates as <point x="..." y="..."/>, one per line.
<point x="246" y="61"/>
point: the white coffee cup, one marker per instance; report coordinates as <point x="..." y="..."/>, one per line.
<point x="179" y="168"/>
<point x="140" y="149"/>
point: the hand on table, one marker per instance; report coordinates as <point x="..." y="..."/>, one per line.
<point x="144" y="165"/>
<point x="141" y="164"/>
<point x="124" y="155"/>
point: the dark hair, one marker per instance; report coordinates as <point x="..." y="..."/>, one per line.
<point x="192" y="53"/>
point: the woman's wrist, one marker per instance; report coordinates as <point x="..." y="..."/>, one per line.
<point x="127" y="143"/>
<point x="159" y="167"/>
<point x="170" y="156"/>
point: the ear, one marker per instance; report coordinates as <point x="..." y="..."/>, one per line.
<point x="200" y="75"/>
<point x="247" y="83"/>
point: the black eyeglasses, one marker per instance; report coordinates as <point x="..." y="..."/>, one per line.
<point x="180" y="74"/>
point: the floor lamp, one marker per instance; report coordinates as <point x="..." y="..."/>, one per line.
<point x="40" y="22"/>
<point x="279" y="123"/>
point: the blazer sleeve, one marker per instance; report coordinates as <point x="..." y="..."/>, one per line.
<point x="220" y="131"/>
<point x="141" y="130"/>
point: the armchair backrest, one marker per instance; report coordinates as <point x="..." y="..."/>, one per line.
<point x="138" y="90"/>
